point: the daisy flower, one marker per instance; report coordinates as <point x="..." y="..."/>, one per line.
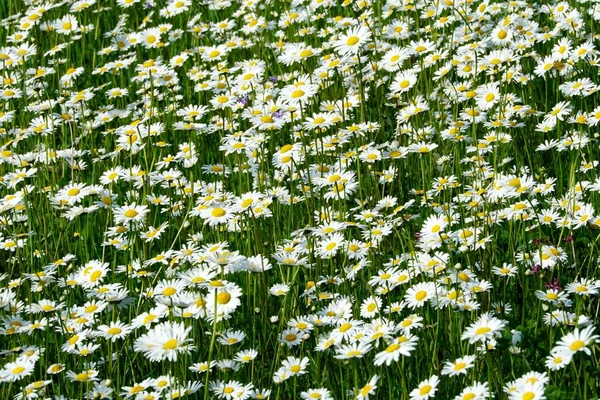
<point x="477" y="391"/>
<point x="112" y="175"/>
<point x="403" y="82"/>
<point x="219" y="214"/>
<point x="484" y="329"/>
<point x="352" y="42"/>
<point x="393" y="58"/>
<point x="291" y="337"/>
<point x="169" y="288"/>
<point x="558" y="359"/>
<point x="90" y="375"/>
<point x="583" y="287"/>
<point x="370" y="307"/>
<point x="434" y="226"/>
<point x="367" y="390"/>
<point x="354" y="350"/>
<point x="227" y="390"/>
<point x="402" y="345"/>
<point x="316" y="394"/>
<point x="458" y="366"/>
<point x="113" y="331"/>
<point x="116" y="93"/>
<point x="577" y="341"/>
<point x="226" y="299"/>
<point x="202" y="367"/>
<point x="528" y="391"/>
<point x="150" y="38"/>
<point x="426" y="389"/>
<point x="74" y="193"/>
<point x="419" y="294"/>
<point x="296" y="366"/>
<point x="329" y="246"/>
<point x="279" y="289"/>
<point x="66" y="25"/>
<point x="295" y="94"/>
<point x="487" y="96"/>
<point x="130" y="214"/>
<point x="92" y="273"/>
<point x="246" y="356"/>
<point x="166" y="341"/>
<point x="17" y="370"/>
<point x="229" y="337"/>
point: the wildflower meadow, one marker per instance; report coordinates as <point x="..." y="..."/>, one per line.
<point x="299" y="199"/>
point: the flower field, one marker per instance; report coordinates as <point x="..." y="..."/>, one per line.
<point x="306" y="199"/>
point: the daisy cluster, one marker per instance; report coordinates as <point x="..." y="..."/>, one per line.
<point x="305" y="199"/>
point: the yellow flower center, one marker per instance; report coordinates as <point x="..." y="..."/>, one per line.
<point x="528" y="396"/>
<point x="131" y="213"/>
<point x="170" y="291"/>
<point x="420" y="295"/>
<point x="114" y="331"/>
<point x="246" y="203"/>
<point x="483" y="330"/>
<point x="218" y="212"/>
<point x="577" y="345"/>
<point x="91" y="308"/>
<point x="392" y="347"/>
<point x="424" y="390"/>
<point x="306" y="53"/>
<point x="82" y="377"/>
<point x="459" y="366"/>
<point x="365" y="390"/>
<point x="290" y="337"/>
<point x="95" y="276"/>
<point x="223" y="298"/>
<point x="352" y="40"/>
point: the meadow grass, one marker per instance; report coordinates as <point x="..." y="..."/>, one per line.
<point x="299" y="199"/>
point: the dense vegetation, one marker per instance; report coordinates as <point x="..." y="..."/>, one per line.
<point x="299" y="200"/>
